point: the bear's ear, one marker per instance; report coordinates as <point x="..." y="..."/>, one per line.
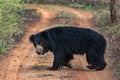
<point x="31" y="38"/>
<point x="45" y="34"/>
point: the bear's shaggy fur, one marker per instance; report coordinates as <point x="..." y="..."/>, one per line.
<point x="64" y="41"/>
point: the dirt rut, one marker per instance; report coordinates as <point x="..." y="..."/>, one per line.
<point x="24" y="64"/>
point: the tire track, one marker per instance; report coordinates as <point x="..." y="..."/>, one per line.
<point x="85" y="17"/>
<point x="23" y="49"/>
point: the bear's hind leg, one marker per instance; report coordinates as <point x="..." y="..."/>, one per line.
<point x="89" y="62"/>
<point x="95" y="58"/>
<point x="102" y="64"/>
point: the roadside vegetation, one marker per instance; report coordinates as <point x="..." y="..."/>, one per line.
<point x="10" y="23"/>
<point x="111" y="31"/>
<point x="112" y="34"/>
<point x="13" y="16"/>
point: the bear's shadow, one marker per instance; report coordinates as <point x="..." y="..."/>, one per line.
<point x="45" y="67"/>
<point x="39" y="67"/>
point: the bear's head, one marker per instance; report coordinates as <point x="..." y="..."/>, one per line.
<point x="40" y="42"/>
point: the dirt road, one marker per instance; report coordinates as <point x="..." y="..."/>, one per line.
<point x="23" y="63"/>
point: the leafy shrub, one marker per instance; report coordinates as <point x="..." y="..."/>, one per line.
<point x="10" y="22"/>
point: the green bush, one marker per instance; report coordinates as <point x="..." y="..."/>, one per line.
<point x="10" y="22"/>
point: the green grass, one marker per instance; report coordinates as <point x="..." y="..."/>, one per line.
<point x="87" y="7"/>
<point x="31" y="1"/>
<point x="49" y="7"/>
<point x="3" y="48"/>
<point x="9" y="22"/>
<point x="80" y="6"/>
<point x="76" y="5"/>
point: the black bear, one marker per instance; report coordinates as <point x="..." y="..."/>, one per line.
<point x="64" y="41"/>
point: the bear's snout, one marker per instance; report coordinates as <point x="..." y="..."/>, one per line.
<point x="39" y="49"/>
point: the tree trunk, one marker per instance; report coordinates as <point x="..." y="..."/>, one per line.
<point x="113" y="11"/>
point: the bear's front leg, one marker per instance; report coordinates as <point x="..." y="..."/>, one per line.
<point x="58" y="61"/>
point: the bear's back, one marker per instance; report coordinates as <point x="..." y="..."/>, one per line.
<point x="73" y="31"/>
